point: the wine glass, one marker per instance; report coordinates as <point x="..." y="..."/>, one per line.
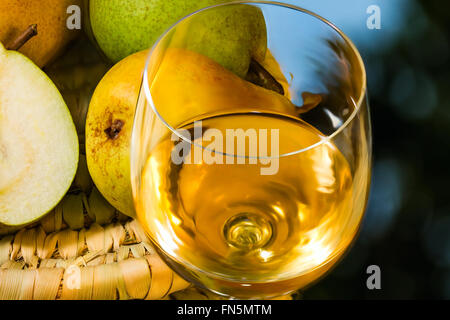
<point x="252" y="185"/>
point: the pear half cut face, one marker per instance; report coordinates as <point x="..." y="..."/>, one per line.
<point x="38" y="141"/>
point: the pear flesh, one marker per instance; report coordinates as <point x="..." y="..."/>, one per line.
<point x="38" y="141"/>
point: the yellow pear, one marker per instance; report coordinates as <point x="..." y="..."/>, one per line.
<point x="50" y="16"/>
<point x="109" y="124"/>
<point x="186" y="85"/>
<point x="189" y="85"/>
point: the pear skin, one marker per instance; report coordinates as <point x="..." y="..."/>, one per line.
<point x="123" y="27"/>
<point x="50" y="17"/>
<point x="189" y="85"/>
<point x="230" y="35"/>
<point x="109" y="125"/>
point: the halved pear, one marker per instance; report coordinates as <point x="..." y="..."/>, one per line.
<point x="38" y="141"/>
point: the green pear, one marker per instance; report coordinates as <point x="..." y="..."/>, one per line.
<point x="123" y="27"/>
<point x="231" y="36"/>
<point x="38" y="141"/>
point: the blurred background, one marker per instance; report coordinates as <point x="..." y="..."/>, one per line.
<point x="406" y="230"/>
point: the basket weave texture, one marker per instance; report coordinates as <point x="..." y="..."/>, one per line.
<point x="115" y="261"/>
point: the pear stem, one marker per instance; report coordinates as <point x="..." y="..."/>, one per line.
<point x="29" y="33"/>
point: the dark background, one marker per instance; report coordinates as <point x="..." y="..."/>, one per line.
<point x="406" y="230"/>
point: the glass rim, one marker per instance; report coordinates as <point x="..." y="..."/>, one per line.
<point x="324" y="139"/>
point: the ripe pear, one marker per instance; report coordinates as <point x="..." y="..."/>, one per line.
<point x="50" y="16"/>
<point x="230" y="35"/>
<point x="188" y="85"/>
<point x="108" y="131"/>
<point x="186" y="82"/>
<point x="38" y="141"/>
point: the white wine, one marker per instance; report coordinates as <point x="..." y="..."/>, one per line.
<point x="241" y="232"/>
